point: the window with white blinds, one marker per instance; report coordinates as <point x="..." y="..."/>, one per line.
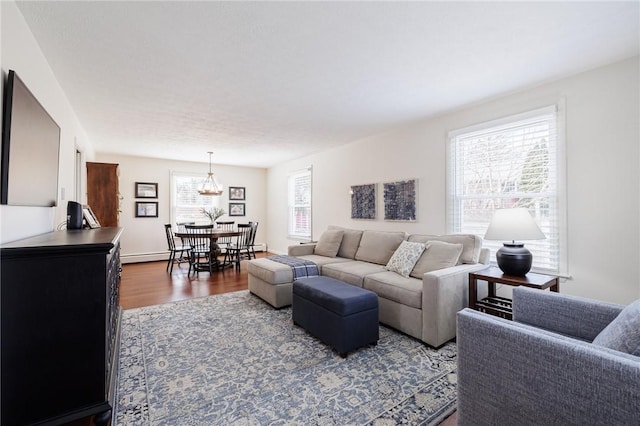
<point x="300" y="204"/>
<point x="514" y="162"/>
<point x="186" y="202"/>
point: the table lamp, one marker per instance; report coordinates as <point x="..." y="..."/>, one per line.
<point x="513" y="224"/>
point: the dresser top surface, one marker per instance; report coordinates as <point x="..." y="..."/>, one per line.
<point x="99" y="239"/>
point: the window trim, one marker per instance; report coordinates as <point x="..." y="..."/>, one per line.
<point x="172" y="198"/>
<point x="559" y="109"/>
<point x="292" y="175"/>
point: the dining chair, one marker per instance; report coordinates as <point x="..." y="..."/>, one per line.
<point x="235" y="250"/>
<point x="223" y="242"/>
<point x="182" y="249"/>
<point x="200" y="256"/>
<point x="252" y="240"/>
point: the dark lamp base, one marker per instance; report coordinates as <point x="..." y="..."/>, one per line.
<point x="514" y="259"/>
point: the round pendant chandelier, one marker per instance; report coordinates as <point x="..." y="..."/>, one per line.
<point x="210" y="186"/>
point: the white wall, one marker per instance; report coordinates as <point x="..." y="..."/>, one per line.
<point x="143" y="239"/>
<point x="603" y="156"/>
<point x="21" y="53"/>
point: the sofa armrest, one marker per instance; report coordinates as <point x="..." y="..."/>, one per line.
<point x="562" y="313"/>
<point x="512" y="373"/>
<point x="444" y="293"/>
<point x="301" y="249"/>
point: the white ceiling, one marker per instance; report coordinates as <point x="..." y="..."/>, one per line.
<point x="259" y="83"/>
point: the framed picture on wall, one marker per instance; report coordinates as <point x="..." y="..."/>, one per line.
<point x="236" y="209"/>
<point x="146" y="209"/>
<point x="236" y="193"/>
<point x="146" y="190"/>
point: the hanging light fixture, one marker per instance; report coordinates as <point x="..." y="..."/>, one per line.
<point x="210" y="186"/>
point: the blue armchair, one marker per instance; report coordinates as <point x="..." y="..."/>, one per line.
<point x="542" y="368"/>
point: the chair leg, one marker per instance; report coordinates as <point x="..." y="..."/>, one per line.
<point x="172" y="258"/>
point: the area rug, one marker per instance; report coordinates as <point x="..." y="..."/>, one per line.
<point x="232" y="359"/>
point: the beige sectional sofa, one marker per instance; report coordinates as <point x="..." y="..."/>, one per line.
<point x="419" y="292"/>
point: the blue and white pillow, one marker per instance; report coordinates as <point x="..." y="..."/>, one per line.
<point x="405" y="258"/>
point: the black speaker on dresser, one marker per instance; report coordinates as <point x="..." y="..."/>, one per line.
<point x="74" y="215"/>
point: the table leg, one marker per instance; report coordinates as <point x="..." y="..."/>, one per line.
<point x="492" y="288"/>
<point x="473" y="292"/>
<point x="556" y="287"/>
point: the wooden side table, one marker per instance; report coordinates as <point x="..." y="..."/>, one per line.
<point x="501" y="306"/>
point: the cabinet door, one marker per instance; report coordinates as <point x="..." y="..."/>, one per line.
<point x="102" y="192"/>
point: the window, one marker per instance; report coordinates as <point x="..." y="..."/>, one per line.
<point x="186" y="203"/>
<point x="513" y="162"/>
<point x="300" y="204"/>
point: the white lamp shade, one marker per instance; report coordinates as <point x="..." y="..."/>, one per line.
<point x="513" y="224"/>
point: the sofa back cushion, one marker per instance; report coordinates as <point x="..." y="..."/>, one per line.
<point x="378" y="246"/>
<point x="329" y="243"/>
<point x="437" y="255"/>
<point x="350" y="242"/>
<point x="471" y="244"/>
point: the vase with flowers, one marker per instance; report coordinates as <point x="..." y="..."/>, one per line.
<point x="213" y="214"/>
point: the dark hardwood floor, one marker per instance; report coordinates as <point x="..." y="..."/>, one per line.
<point x="146" y="284"/>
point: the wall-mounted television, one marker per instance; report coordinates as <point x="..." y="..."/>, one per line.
<point x="30" y="149"/>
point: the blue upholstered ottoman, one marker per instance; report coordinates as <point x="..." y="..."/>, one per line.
<point x="341" y="315"/>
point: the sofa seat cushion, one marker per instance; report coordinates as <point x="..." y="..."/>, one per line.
<point x="471" y="244"/>
<point x="391" y="286"/>
<point x="323" y="260"/>
<point x="379" y="246"/>
<point x="352" y="272"/>
<point x="270" y="271"/>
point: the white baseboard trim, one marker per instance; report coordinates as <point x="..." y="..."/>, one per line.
<point x="154" y="257"/>
<point x="144" y="257"/>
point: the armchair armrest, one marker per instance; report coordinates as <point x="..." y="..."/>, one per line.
<point x="512" y="373"/>
<point x="561" y="313"/>
<point x="301" y="249"/>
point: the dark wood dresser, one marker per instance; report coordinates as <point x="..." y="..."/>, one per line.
<point x="60" y="326"/>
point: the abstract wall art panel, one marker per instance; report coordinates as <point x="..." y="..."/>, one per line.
<point x="363" y="201"/>
<point x="400" y="200"/>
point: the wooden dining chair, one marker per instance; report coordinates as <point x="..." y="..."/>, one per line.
<point x="223" y="242"/>
<point x="177" y="253"/>
<point x="236" y="250"/>
<point x="252" y="240"/>
<point x="199" y="240"/>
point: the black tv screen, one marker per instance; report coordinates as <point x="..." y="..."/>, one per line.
<point x="30" y="149"/>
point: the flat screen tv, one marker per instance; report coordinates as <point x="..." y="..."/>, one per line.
<point x="30" y="149"/>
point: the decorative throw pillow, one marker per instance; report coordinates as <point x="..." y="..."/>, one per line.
<point x="329" y="243"/>
<point x="623" y="333"/>
<point x="437" y="255"/>
<point x="405" y="257"/>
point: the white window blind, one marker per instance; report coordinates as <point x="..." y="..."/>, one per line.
<point x="186" y="202"/>
<point x="513" y="162"/>
<point x="300" y="204"/>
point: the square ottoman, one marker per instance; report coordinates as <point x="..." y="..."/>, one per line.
<point x="340" y="315"/>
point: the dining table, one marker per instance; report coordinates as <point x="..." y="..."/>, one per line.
<point x="214" y="234"/>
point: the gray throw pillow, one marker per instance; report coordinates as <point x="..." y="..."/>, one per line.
<point x="438" y="255"/>
<point x="623" y="333"/>
<point x="329" y="243"/>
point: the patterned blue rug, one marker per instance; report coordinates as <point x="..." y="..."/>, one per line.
<point x="234" y="360"/>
